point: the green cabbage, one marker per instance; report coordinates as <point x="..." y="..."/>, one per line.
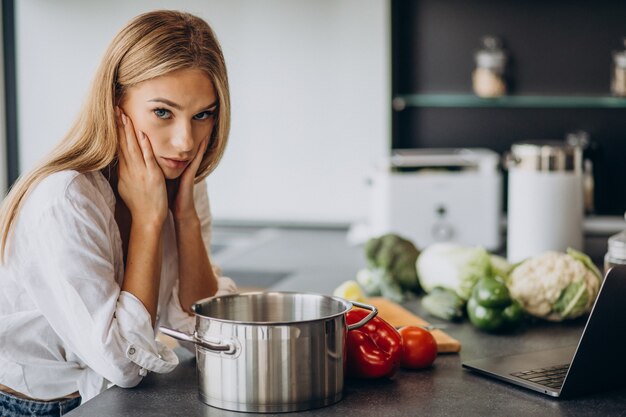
<point x="453" y="267"/>
<point x="500" y="267"/>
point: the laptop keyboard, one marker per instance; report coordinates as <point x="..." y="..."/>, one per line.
<point x="551" y="376"/>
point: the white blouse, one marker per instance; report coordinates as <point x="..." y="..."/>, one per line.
<point x="65" y="324"/>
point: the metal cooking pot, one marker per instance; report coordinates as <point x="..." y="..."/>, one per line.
<point x="271" y="351"/>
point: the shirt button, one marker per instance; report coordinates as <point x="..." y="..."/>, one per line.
<point x="131" y="351"/>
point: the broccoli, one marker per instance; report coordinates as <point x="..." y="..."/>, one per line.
<point x="396" y="256"/>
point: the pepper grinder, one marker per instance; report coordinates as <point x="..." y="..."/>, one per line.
<point x="488" y="76"/>
<point x="618" y="75"/>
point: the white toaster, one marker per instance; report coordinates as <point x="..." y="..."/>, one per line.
<point x="439" y="195"/>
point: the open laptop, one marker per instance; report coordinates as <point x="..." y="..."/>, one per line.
<point x="597" y="363"/>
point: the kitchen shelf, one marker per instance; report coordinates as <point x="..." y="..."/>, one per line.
<point x="402" y="101"/>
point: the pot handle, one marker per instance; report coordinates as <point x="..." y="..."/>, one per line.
<point x="226" y="348"/>
<point x="366" y="318"/>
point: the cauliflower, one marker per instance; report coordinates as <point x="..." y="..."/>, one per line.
<point x="555" y="285"/>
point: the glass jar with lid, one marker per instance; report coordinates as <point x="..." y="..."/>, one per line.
<point x="618" y="73"/>
<point x="488" y="78"/>
<point x="616" y="253"/>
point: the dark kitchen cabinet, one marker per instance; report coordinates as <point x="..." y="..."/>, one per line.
<point x="560" y="67"/>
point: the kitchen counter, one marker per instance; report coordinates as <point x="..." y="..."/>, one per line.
<point x="443" y="390"/>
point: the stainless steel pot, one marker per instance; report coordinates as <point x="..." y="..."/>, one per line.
<point x="271" y="351"/>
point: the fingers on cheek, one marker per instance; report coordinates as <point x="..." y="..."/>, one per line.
<point x="204" y="146"/>
<point x="145" y="143"/>
<point x="125" y="120"/>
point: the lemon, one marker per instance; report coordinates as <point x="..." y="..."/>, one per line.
<point x="350" y="290"/>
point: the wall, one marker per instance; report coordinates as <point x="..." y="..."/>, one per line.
<point x="310" y="92"/>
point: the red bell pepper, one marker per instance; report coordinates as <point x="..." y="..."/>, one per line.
<point x="374" y="350"/>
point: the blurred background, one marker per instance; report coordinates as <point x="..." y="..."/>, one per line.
<point x="310" y="95"/>
<point x="324" y="90"/>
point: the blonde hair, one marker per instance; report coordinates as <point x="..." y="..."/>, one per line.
<point x="150" y="45"/>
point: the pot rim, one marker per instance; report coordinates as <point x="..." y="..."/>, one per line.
<point x="346" y="303"/>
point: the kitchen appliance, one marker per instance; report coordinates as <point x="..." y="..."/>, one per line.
<point x="269" y="352"/>
<point x="435" y="195"/>
<point x="545" y="198"/>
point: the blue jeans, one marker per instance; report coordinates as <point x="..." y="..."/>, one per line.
<point x="12" y="406"/>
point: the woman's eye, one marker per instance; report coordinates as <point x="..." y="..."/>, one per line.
<point x="162" y="113"/>
<point x="204" y="115"/>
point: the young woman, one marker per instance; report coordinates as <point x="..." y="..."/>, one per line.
<point x="110" y="235"/>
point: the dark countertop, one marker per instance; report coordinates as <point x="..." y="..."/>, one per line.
<point x="317" y="261"/>
<point x="445" y="389"/>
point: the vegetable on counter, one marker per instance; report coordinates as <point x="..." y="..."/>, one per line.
<point x="391" y="270"/>
<point x="377" y="281"/>
<point x="500" y="267"/>
<point x="556" y="286"/>
<point x="444" y="304"/>
<point x="374" y="350"/>
<point x="350" y="290"/>
<point x="419" y="348"/>
<point x="454" y="267"/>
<point x="491" y="308"/>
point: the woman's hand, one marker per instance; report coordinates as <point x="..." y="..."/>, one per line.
<point x="141" y="183"/>
<point x="184" y="208"/>
<point x="196" y="277"/>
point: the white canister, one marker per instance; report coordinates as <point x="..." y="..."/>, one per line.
<point x="545" y="198"/>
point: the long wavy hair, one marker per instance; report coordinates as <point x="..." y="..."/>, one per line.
<point x="150" y="45"/>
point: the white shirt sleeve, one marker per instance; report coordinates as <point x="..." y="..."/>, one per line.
<point x="176" y="317"/>
<point x="72" y="281"/>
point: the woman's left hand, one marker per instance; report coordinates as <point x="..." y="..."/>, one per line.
<point x="184" y="207"/>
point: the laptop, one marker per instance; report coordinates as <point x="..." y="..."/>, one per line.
<point x="596" y="363"/>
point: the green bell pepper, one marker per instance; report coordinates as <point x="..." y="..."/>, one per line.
<point x="491" y="308"/>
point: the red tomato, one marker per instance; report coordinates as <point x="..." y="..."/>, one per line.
<point x="419" y="348"/>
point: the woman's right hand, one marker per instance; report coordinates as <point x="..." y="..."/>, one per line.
<point x="141" y="183"/>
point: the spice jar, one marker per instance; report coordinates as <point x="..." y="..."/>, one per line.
<point x="488" y="78"/>
<point x="618" y="77"/>
<point x="616" y="254"/>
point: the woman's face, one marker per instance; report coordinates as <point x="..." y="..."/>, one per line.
<point x="176" y="111"/>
